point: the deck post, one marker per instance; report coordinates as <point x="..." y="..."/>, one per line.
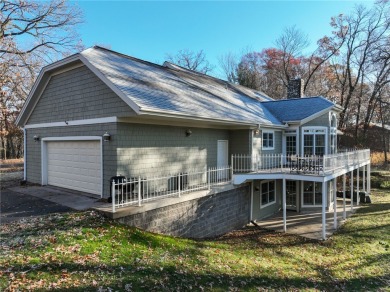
<point x="364" y="178"/>
<point x="284" y="206"/>
<point x="357" y="187"/>
<point x="344" y="183"/>
<point x="369" y="178"/>
<point x="334" y="204"/>
<point x="251" y="206"/>
<point x="324" y="201"/>
<point x="351" y="190"/>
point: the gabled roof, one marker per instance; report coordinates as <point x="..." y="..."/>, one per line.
<point x="297" y="109"/>
<point x="172" y="91"/>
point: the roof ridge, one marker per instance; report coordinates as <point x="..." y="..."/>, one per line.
<point x="182" y="69"/>
<point x="298" y="98"/>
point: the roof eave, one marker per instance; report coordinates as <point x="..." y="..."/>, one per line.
<point x="251" y="125"/>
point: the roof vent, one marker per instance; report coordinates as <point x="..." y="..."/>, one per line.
<point x="295" y="88"/>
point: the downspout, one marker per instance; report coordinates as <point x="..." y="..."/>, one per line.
<point x="24" y="154"/>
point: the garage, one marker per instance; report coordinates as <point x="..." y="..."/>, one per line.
<point x="75" y="165"/>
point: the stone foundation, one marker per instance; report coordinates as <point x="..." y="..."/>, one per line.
<point x="203" y="217"/>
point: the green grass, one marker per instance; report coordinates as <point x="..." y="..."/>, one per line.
<point x="86" y="252"/>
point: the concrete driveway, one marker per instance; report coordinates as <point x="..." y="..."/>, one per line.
<point x="16" y="206"/>
<point x="23" y="202"/>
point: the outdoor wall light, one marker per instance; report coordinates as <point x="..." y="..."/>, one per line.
<point x="257" y="132"/>
<point x="188" y="133"/>
<point x="36" y="138"/>
<point x="106" y="137"/>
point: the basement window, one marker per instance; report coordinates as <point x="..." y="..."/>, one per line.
<point x="267" y="194"/>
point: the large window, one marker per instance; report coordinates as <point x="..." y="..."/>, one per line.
<point x="312" y="193"/>
<point x="267" y="193"/>
<point x="314" y="141"/>
<point x="268" y="140"/>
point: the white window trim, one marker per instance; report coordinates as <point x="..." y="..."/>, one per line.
<point x="273" y="140"/>
<point x="310" y="206"/>
<point x="68" y="138"/>
<point x="261" y="193"/>
<point x="313" y="128"/>
<point x="290" y="132"/>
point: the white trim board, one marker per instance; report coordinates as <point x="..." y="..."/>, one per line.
<point x="73" y="123"/>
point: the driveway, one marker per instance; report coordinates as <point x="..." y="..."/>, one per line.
<point x="21" y="202"/>
<point x="16" y="206"/>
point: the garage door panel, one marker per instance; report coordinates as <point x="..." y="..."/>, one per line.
<point x="75" y="165"/>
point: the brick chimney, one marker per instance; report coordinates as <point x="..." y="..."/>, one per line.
<point x="295" y="88"/>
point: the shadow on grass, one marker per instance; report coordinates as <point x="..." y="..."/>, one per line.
<point x="173" y="277"/>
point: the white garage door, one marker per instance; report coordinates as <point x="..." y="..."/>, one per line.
<point x="75" y="165"/>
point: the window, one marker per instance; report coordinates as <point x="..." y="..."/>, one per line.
<point x="333" y="134"/>
<point x="267" y="193"/>
<point x="314" y="141"/>
<point x="291" y="145"/>
<point x="268" y="140"/>
<point x="312" y="193"/>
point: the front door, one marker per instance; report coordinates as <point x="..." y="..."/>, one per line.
<point x="291" y="195"/>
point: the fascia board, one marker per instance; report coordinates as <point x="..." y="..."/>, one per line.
<point x="254" y="125"/>
<point x="312" y="117"/>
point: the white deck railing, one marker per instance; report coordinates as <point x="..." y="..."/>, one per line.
<point x="136" y="191"/>
<point x="308" y="164"/>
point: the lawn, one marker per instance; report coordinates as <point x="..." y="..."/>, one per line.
<point x="84" y="251"/>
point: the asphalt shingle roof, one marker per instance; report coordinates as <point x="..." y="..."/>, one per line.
<point x="171" y="89"/>
<point x="297" y="109"/>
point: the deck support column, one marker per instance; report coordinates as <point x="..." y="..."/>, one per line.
<point x="284" y="206"/>
<point x="334" y="203"/>
<point x="364" y="179"/>
<point x="344" y="183"/>
<point x="357" y="187"/>
<point x="251" y="206"/>
<point x="369" y="178"/>
<point x="351" y="190"/>
<point x="324" y="201"/>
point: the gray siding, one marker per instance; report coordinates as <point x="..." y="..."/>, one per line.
<point x="258" y="144"/>
<point x="34" y="174"/>
<point x="322" y="121"/>
<point x="77" y="94"/>
<point x="240" y="141"/>
<point x="152" y="150"/>
<point x="260" y="213"/>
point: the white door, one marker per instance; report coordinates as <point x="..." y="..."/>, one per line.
<point x="75" y="165"/>
<point x="222" y="153"/>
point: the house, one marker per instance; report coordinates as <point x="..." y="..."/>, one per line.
<point x="236" y="153"/>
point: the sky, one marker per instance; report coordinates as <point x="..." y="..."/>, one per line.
<point x="150" y="30"/>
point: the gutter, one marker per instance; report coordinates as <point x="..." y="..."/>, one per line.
<point x="156" y="113"/>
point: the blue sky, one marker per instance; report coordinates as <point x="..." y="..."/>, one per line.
<point x="149" y="30"/>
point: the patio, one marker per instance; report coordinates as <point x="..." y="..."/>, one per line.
<point x="307" y="224"/>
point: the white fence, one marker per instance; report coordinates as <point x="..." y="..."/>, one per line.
<point x="308" y="164"/>
<point x="135" y="191"/>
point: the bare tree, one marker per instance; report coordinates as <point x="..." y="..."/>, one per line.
<point x="32" y="33"/>
<point x="367" y="32"/>
<point x="229" y="63"/>
<point x="195" y="61"/>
